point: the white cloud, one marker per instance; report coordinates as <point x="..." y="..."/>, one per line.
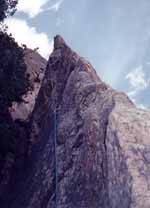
<point x="137" y="79"/>
<point x="132" y="93"/>
<point x="132" y="96"/>
<point x="31" y="7"/>
<point x="138" y="82"/>
<point x="142" y="106"/>
<point x="24" y="34"/>
<point x="55" y="7"/>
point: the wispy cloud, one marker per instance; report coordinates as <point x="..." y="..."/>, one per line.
<point x="24" y="34"/>
<point x="137" y="82"/>
<point x="142" y="106"/>
<point x="55" y="7"/>
<point x="32" y="7"/>
<point x="137" y="79"/>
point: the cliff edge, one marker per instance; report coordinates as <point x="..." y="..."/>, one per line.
<point x="89" y="144"/>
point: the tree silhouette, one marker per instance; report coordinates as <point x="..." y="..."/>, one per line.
<point x="7" y="7"/>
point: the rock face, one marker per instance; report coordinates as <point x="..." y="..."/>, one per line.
<point x="89" y="145"/>
<point x="36" y="66"/>
<point x="12" y="161"/>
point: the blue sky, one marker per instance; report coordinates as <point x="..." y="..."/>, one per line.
<point x="114" y="35"/>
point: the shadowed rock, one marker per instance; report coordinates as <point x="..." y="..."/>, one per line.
<point x="102" y="157"/>
<point x="16" y="119"/>
<point x="36" y="66"/>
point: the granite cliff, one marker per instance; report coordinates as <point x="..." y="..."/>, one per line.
<point x="16" y="109"/>
<point x="89" y="146"/>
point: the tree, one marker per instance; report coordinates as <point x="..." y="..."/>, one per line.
<point x="7" y="7"/>
<point x="14" y="81"/>
<point x="13" y="77"/>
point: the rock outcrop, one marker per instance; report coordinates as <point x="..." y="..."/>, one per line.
<point x="36" y="66"/>
<point x="16" y="117"/>
<point x="89" y="144"/>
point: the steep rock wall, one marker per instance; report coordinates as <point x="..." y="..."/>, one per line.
<point x="101" y="156"/>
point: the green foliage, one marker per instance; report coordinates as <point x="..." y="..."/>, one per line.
<point x="14" y="83"/>
<point x="13" y="78"/>
<point x="3" y="9"/>
<point x="7" y="7"/>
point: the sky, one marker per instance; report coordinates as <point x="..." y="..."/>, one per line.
<point x="114" y="35"/>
